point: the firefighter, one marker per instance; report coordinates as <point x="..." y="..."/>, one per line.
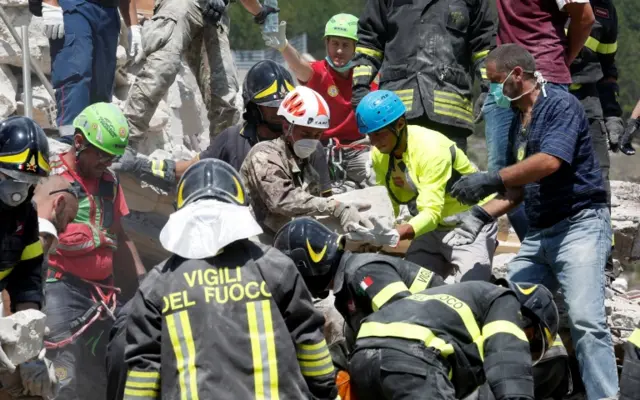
<point x="223" y="317"/>
<point x="281" y="184"/>
<point x="418" y="166"/>
<point x="81" y="296"/>
<point x="633" y="127"/>
<point x="444" y="342"/>
<point x="265" y="86"/>
<point x="24" y="159"/>
<point x="361" y="283"/>
<point x="428" y="53"/>
<point x="630" y="378"/>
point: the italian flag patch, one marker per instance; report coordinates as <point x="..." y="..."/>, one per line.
<point x="366" y="282"/>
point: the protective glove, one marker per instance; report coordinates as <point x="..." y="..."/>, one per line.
<point x="212" y="10"/>
<point x="633" y="127"/>
<point x="276" y="40"/>
<point x="472" y="188"/>
<point x="349" y="216"/>
<point x="615" y="131"/>
<point x="160" y="173"/>
<point x="379" y="235"/>
<point x="39" y="378"/>
<point x="135" y="50"/>
<point x="468" y="225"/>
<point x="261" y="17"/>
<point x="358" y="94"/>
<point x="53" y="21"/>
<point x="478" y="115"/>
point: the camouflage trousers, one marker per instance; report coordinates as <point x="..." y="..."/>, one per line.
<point x="176" y="30"/>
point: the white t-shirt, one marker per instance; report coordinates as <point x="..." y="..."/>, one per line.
<point x="562" y="3"/>
<point x="46" y="227"/>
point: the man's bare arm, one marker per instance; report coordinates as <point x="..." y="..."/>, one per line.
<point x="129" y="12"/>
<point x="253" y="6"/>
<point x="532" y="169"/>
<point x="582" y="19"/>
<point x="300" y="67"/>
<point x="503" y="204"/>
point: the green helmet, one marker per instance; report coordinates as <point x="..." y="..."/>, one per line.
<point x="342" y="25"/>
<point x="105" y="127"/>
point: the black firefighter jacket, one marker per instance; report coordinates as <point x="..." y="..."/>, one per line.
<point x="630" y="379"/>
<point x="428" y="52"/>
<point x="475" y="326"/>
<point x="594" y="72"/>
<point x="240" y="325"/>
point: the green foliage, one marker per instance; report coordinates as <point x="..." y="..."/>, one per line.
<point x="311" y="16"/>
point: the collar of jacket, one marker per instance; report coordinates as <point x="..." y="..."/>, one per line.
<point x="338" y="279"/>
<point x="288" y="155"/>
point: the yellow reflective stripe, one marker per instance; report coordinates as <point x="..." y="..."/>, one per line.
<point x="369" y="52"/>
<point x="181" y="337"/>
<point x="452" y="98"/>
<point x="314" y="346"/>
<point x="144" y="385"/>
<point x="463" y="310"/>
<point x="603" y="48"/>
<point x="19" y="158"/>
<point x="635" y="338"/>
<point x="421" y="281"/>
<point x="317" y="368"/>
<point x="42" y="163"/>
<point x="575" y="86"/>
<point x="483" y="73"/>
<point x="481" y="54"/>
<point x="362" y="70"/>
<point x="404" y="330"/>
<point x="557" y="342"/>
<point x="144" y="374"/>
<point x="157" y="168"/>
<point x="263" y="350"/>
<point x="502" y="326"/>
<point x="453" y="112"/>
<point x="31" y="251"/>
<point x="406" y="96"/>
<point x="272" y="89"/>
<point x="312" y="354"/>
<point x="386" y="294"/>
<point x="4" y="273"/>
<point x="141" y="393"/>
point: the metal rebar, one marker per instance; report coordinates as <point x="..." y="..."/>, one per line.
<point x="26" y="73"/>
<point x="34" y="65"/>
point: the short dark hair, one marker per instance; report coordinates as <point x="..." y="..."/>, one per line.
<point x="508" y="56"/>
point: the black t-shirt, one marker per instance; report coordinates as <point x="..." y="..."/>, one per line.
<point x="233" y="144"/>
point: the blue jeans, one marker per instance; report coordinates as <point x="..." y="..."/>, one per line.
<point x="571" y="255"/>
<point x="83" y="62"/>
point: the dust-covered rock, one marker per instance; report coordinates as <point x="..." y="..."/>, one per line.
<point x="10" y="51"/>
<point x="26" y="328"/>
<point x="8" y="88"/>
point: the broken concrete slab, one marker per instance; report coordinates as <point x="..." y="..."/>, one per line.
<point x="10" y="52"/>
<point x="8" y="90"/>
<point x="625" y="219"/>
<point x="44" y="106"/>
<point x="26" y="329"/>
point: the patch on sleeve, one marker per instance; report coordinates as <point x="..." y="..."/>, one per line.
<point x="601" y="12"/>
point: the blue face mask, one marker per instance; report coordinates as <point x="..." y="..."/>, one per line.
<point x="502" y="100"/>
<point x="344" y="68"/>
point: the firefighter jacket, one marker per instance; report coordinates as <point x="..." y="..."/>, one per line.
<point x="423" y="177"/>
<point x="630" y="378"/>
<point x="365" y="283"/>
<point x="596" y="62"/>
<point x="281" y="186"/>
<point x="240" y="325"/>
<point x="428" y="52"/>
<point x="21" y="258"/>
<point x="475" y="326"/>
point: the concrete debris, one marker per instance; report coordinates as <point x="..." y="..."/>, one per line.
<point x="500" y="263"/>
<point x="625" y="218"/>
<point x="43" y="105"/>
<point x="8" y="88"/>
<point x="10" y="52"/>
<point x="28" y="328"/>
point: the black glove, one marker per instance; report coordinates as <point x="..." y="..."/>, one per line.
<point x="615" y="131"/>
<point x="358" y="94"/>
<point x="633" y="126"/>
<point x="35" y="7"/>
<point x="478" y="115"/>
<point x="212" y="10"/>
<point x="261" y="17"/>
<point x="160" y="173"/>
<point x="472" y="188"/>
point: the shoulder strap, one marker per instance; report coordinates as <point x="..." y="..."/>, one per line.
<point x="455" y="175"/>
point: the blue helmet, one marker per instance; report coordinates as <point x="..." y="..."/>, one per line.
<point x="377" y="110"/>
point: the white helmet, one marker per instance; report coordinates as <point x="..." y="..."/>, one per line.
<point x="305" y="107"/>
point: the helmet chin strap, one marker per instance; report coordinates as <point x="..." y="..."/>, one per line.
<point x="398" y="136"/>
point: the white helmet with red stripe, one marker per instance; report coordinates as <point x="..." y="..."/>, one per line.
<point x="305" y="107"/>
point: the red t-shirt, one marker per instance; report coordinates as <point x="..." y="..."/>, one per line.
<point x="336" y="91"/>
<point x="538" y="26"/>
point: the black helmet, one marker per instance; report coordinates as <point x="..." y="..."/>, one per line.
<point x="537" y="306"/>
<point x="314" y="249"/>
<point x="266" y="84"/>
<point x="211" y="178"/>
<point x="24" y="150"/>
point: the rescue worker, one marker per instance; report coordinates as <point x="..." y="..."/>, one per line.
<point x="281" y="184"/>
<point x="83" y="36"/>
<point x="633" y="127"/>
<point x="265" y="86"/>
<point x="81" y="297"/>
<point x="24" y="159"/>
<point x="428" y="53"/>
<point x="418" y="165"/>
<point x="361" y="283"/>
<point x="190" y="28"/>
<point x="223" y="317"/>
<point x="332" y="78"/>
<point x="630" y="377"/>
<point x="445" y="341"/>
